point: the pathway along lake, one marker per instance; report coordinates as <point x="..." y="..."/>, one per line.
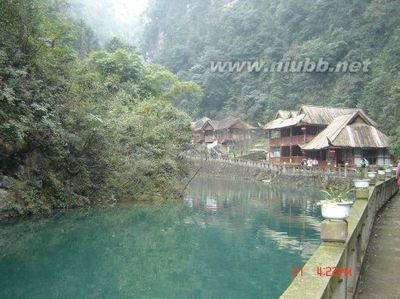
<point x="228" y="239"/>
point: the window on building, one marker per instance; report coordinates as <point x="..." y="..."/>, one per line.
<point x="285" y="132"/>
<point x="275" y="134"/>
<point x="296" y="131"/>
<point x="275" y="152"/>
<point x="285" y="151"/>
<point x="371" y="155"/>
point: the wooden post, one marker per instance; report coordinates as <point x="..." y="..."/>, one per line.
<point x="290" y="144"/>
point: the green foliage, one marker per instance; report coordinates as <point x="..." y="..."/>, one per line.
<point x="361" y="173"/>
<point x="186" y="35"/>
<point x="78" y="124"/>
<point x="334" y="194"/>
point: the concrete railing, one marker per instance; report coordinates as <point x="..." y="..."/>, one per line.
<point x="343" y="172"/>
<point x="334" y="269"/>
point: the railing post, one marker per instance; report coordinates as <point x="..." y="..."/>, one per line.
<point x="334" y="231"/>
<point x="362" y="193"/>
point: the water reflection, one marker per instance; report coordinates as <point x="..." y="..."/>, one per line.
<point x="289" y="208"/>
<point x="228" y="239"/>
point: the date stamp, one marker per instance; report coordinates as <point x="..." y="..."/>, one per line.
<point x="323" y="271"/>
<point x="296" y="270"/>
<point x="334" y="271"/>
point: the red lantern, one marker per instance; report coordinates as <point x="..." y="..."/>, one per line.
<point x="303" y="129"/>
<point x="332" y="151"/>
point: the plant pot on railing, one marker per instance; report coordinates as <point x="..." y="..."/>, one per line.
<point x="336" y="205"/>
<point x="362" y="188"/>
<point x="388" y="173"/>
<point x="362" y="180"/>
<point x="361" y="183"/>
<point x="381" y="174"/>
<point x="372" y="177"/>
<point x="336" y="210"/>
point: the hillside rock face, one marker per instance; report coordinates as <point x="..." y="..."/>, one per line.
<point x="6" y="182"/>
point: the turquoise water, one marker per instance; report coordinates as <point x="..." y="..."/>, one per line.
<point x="228" y="239"/>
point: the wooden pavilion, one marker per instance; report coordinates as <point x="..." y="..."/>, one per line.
<point x="329" y="135"/>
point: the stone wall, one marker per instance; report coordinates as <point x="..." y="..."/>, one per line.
<point x="256" y="171"/>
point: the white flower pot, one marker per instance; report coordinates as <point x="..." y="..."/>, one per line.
<point x="340" y="210"/>
<point x="381" y="172"/>
<point x="372" y="174"/>
<point x="361" y="184"/>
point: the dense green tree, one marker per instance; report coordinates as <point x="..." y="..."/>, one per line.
<point x="186" y="35"/>
<point x="78" y="126"/>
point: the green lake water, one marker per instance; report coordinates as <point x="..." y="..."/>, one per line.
<point x="228" y="239"/>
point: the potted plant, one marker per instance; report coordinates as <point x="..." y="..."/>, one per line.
<point x="381" y="173"/>
<point x="388" y="172"/>
<point x="361" y="182"/>
<point x="372" y="177"/>
<point x="372" y="174"/>
<point x="336" y="204"/>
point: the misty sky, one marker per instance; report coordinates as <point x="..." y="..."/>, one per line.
<point x="124" y="9"/>
<point x="112" y="18"/>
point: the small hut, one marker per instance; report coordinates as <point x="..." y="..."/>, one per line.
<point x="226" y="131"/>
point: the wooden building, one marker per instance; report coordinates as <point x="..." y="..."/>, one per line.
<point x="328" y="135"/>
<point x="226" y="131"/>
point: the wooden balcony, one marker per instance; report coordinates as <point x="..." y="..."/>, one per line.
<point x="290" y="140"/>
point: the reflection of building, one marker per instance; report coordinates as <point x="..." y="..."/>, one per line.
<point x="335" y="135"/>
<point x="211" y="204"/>
<point x="227" y="131"/>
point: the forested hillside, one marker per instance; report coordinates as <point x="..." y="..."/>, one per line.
<point x="185" y="35"/>
<point x="79" y="125"/>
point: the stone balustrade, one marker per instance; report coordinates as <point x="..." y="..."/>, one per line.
<point x="343" y="247"/>
<point x="343" y="171"/>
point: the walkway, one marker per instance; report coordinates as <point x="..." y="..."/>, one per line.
<point x="380" y="276"/>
